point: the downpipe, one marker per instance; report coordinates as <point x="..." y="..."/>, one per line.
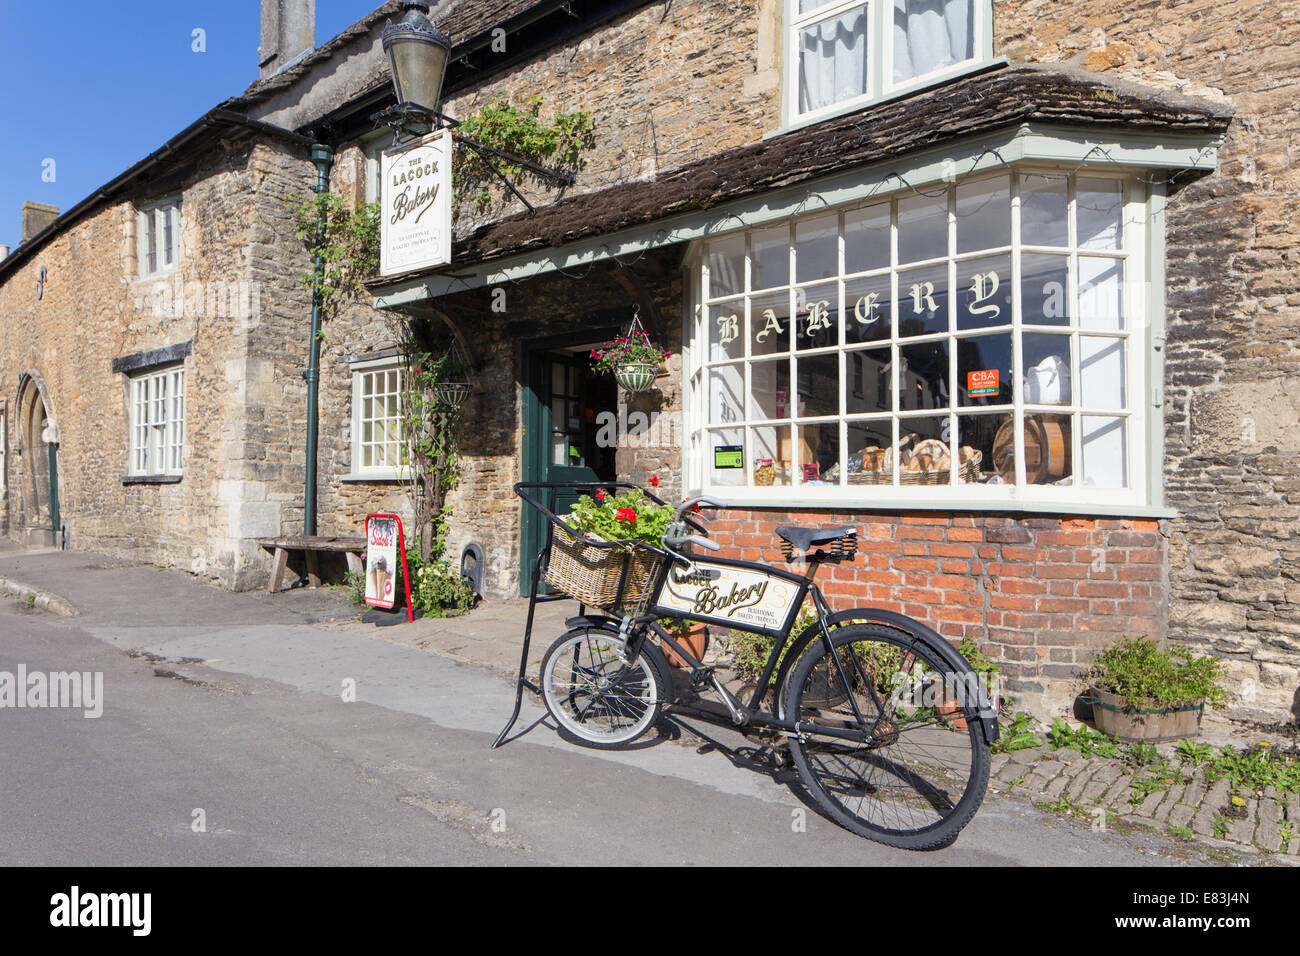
<point x="323" y="157"/>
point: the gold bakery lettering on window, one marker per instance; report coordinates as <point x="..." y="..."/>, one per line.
<point x="839" y="349"/>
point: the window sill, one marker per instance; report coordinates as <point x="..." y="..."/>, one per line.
<point x="380" y="478"/>
<point x="953" y="504"/>
<point x="151" y="479"/>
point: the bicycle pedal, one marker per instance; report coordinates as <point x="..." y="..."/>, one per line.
<point x="701" y="678"/>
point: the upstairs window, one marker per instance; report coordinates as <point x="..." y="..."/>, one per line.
<point x="159" y="232"/>
<point x="846" y="53"/>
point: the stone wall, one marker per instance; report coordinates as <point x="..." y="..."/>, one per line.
<point x="1233" y="361"/>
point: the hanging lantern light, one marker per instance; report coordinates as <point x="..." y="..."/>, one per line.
<point x="417" y="53"/>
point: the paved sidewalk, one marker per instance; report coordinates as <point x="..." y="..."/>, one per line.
<point x="490" y="638"/>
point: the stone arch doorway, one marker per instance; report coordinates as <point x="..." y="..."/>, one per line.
<point x="37" y="517"/>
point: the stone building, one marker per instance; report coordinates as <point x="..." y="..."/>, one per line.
<point x="1041" y="253"/>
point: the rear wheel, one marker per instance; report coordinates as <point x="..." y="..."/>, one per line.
<point x="598" y="698"/>
<point x="913" y="773"/>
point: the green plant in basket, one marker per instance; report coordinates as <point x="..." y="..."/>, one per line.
<point x="635" y="348"/>
<point x="630" y="516"/>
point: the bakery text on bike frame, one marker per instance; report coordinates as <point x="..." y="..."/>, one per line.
<point x="889" y="727"/>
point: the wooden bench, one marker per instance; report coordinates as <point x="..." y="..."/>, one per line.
<point x="352" y="547"/>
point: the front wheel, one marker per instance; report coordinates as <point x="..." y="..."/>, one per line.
<point x="902" y="771"/>
<point x="598" y="698"/>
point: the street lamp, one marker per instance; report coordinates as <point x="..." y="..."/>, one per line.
<point x="417" y="53"/>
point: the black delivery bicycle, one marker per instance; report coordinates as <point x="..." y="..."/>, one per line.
<point x="888" y="726"/>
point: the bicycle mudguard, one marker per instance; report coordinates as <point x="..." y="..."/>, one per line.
<point x="932" y="639"/>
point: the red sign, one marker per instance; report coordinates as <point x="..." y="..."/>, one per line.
<point x="982" y="383"/>
<point x="385" y="547"/>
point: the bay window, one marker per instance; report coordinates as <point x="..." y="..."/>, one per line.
<point x="845" y="53"/>
<point x="982" y="342"/>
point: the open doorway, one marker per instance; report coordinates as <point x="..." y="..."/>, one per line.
<point x="565" y="404"/>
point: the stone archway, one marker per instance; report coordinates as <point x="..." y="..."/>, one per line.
<point x="35" y="472"/>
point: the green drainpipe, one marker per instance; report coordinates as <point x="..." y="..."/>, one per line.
<point x="323" y="157"/>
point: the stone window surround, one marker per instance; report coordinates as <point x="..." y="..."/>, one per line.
<point x="879" y="64"/>
<point x="145" y="210"/>
<point x="131" y="367"/>
<point x="358" y="365"/>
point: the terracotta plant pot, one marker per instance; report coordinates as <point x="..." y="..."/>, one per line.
<point x="695" y="640"/>
<point x="1113" y="716"/>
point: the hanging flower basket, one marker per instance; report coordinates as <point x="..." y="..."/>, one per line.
<point x="633" y="359"/>
<point x="636" y="376"/>
<point x="454" y="394"/>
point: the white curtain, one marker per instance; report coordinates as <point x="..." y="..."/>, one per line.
<point x="833" y="61"/>
<point x="931" y="34"/>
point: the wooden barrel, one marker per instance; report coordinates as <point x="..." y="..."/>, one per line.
<point x="1047" y="449"/>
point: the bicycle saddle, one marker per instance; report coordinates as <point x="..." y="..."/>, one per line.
<point x="805" y="538"/>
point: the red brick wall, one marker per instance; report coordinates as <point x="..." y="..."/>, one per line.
<point x="1039" y="594"/>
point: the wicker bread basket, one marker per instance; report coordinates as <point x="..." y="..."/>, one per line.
<point x="592" y="574"/>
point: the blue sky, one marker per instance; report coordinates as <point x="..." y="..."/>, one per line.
<point x="96" y="86"/>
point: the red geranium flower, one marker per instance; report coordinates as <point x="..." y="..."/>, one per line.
<point x="654" y="481"/>
<point x="627" y="514"/>
<point x="600" y="494"/>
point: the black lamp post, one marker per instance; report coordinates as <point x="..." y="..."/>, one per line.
<point x="417" y="53"/>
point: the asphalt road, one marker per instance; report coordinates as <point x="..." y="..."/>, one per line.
<point x="241" y="724"/>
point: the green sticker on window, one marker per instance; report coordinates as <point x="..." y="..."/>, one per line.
<point x="729" y="456"/>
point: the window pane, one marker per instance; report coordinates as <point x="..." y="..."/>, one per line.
<point x="1044" y="289"/>
<point x="1047" y="450"/>
<point x="1101" y="372"/>
<point x="817" y="248"/>
<point x="984" y="370"/>
<point x="726" y="451"/>
<point x="1101" y="294"/>
<point x="1044" y="216"/>
<point x="151" y="240"/>
<point x="168" y="240"/>
<point x="866" y="310"/>
<point x="726" y="266"/>
<point x="868" y="381"/>
<point x="984" y="215"/>
<point x="833" y="61"/>
<point x="725" y="324"/>
<point x="808" y="6"/>
<point x="770" y="257"/>
<point x="771" y="447"/>
<point x="922" y="228"/>
<point x="868" y="442"/>
<point x="924" y="379"/>
<point x="925" y="457"/>
<point x="1103" y="452"/>
<point x="770" y="322"/>
<point x="726" y="394"/>
<point x="975" y="435"/>
<point x="771" y="389"/>
<point x="983" y="293"/>
<point x="1100" y="203"/>
<point x="866" y="239"/>
<point x="923" y="301"/>
<point x="931" y="34"/>
<point x="1046" y="369"/>
<point x="818" y="319"/>
<point x="819" y="454"/>
<point x="818" y="381"/>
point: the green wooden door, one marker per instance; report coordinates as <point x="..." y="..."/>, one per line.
<point x="562" y="413"/>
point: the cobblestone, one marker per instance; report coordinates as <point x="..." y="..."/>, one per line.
<point x="1181" y="815"/>
<point x="1269" y="835"/>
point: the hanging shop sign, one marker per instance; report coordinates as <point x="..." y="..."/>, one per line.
<point x="718" y="593"/>
<point x="385" y="546"/>
<point x="415" y="228"/>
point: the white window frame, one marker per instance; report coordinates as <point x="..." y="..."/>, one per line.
<point x="373" y="147"/>
<point x="880" y="57"/>
<point x="360" y="372"/>
<point x="1142" y="254"/>
<point x="156" y="422"/>
<point x="157" y="215"/>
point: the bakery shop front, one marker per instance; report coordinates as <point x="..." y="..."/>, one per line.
<point x="940" y="319"/>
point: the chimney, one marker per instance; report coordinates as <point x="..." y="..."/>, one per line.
<point x="288" y="33"/>
<point x="36" y="216"/>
